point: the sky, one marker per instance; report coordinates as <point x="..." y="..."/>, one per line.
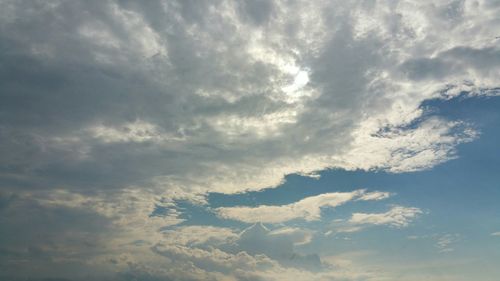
<point x="249" y="140"/>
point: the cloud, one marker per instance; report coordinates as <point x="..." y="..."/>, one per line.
<point x="308" y="208"/>
<point x="254" y="246"/>
<point x="195" y="235"/>
<point x="81" y="235"/>
<point x="257" y="253"/>
<point x="173" y="96"/>
<point x="123" y="239"/>
<point x="445" y="242"/>
<point x="110" y="108"/>
<point x="495" y="234"/>
<point x="124" y="208"/>
<point x="298" y="236"/>
<point x="240" y="266"/>
<point x="137" y="131"/>
<point x="397" y="216"/>
<point x="277" y="244"/>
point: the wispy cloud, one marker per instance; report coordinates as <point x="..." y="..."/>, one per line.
<point x="445" y="242"/>
<point x="308" y="208"/>
<point x="397" y="216"/>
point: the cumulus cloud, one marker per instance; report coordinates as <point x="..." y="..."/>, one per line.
<point x="257" y="239"/>
<point x="308" y="208"/>
<point x="255" y="250"/>
<point x="241" y="266"/>
<point x="77" y="240"/>
<point x="279" y="245"/>
<point x="256" y="253"/>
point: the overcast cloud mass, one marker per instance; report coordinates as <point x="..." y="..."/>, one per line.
<point x="120" y="119"/>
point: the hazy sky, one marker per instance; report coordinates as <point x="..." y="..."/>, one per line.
<point x="249" y="140"/>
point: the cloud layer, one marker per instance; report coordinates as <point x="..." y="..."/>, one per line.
<point x="112" y="109"/>
<point x="226" y="96"/>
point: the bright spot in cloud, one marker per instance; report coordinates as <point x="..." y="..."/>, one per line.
<point x="300" y="81"/>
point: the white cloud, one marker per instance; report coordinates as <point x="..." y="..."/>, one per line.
<point x="308" y="208"/>
<point x="403" y="150"/>
<point x="375" y="195"/>
<point x="495" y="234"/>
<point x="397" y="216"/>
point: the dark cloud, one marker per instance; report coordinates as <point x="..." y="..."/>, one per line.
<point x="425" y="68"/>
<point x="258" y="12"/>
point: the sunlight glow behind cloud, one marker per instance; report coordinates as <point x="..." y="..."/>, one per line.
<point x="119" y="119"/>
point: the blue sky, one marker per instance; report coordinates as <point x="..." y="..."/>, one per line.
<point x="249" y="140"/>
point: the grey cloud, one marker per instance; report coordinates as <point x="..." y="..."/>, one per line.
<point x="208" y="80"/>
<point x="73" y="236"/>
<point x="257" y="239"/>
<point x="452" y="62"/>
<point x="42" y="236"/>
<point x="418" y="69"/>
<point x="259" y="11"/>
<point x="49" y="95"/>
<point x="481" y="58"/>
<point x="204" y="84"/>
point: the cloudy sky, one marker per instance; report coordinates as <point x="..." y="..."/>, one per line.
<point x="249" y="140"/>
